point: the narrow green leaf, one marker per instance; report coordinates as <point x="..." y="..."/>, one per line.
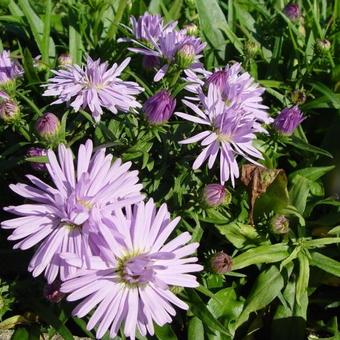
<point x="195" y="329"/>
<point x="266" y="288"/>
<point x="325" y="263"/>
<point x="303" y="278"/>
<point x="299" y="192"/>
<point x="199" y="309"/>
<point x="312" y="173"/>
<point x="46" y="33"/>
<point x="165" y="333"/>
<point x="261" y="254"/>
<point x="300" y="144"/>
<point x="212" y="21"/>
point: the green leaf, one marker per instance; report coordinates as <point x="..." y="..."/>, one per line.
<point x="212" y="21"/>
<point x="75" y="39"/>
<point x="325" y="263"/>
<point x="46" y="33"/>
<point x="195" y="329"/>
<point x="299" y="192"/>
<point x="312" y="173"/>
<point x="199" y="309"/>
<point x="239" y="234"/>
<point x="266" y="288"/>
<point x="20" y="333"/>
<point x="261" y="254"/>
<point x="321" y="242"/>
<point x="300" y="144"/>
<point x="165" y="332"/>
<point x="303" y="278"/>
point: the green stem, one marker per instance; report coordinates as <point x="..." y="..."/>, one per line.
<point x="30" y="103"/>
<point x="24" y="133"/>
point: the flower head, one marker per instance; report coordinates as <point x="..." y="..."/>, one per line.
<point x="292" y="11"/>
<point x="322" y="46"/>
<point x="230" y="132"/>
<point x="215" y="195"/>
<point x="132" y="286"/>
<point x="236" y="88"/>
<point x="37" y="152"/>
<point x="147" y="26"/>
<point x="280" y="224"/>
<point x="64" y="59"/>
<point x="48" y="126"/>
<point x="288" y="120"/>
<point x="9" y="109"/>
<point x="63" y="217"/>
<point x="94" y="86"/>
<point x="160" y="107"/>
<point x="9" y="68"/>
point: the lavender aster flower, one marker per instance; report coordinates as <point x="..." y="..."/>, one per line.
<point x="62" y="218"/>
<point x="132" y="286"/>
<point x="160" y="107"/>
<point x="236" y="87"/>
<point x="147" y="26"/>
<point x="95" y="86"/>
<point x="292" y="11"/>
<point x="288" y="120"/>
<point x="167" y="46"/>
<point x="230" y="133"/>
<point x="37" y="152"/>
<point x="9" y="69"/>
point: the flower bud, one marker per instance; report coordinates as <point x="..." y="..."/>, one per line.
<point x="280" y="224"/>
<point x="9" y="109"/>
<point x="150" y="62"/>
<point x="292" y="11"/>
<point x="159" y="108"/>
<point x="288" y="120"/>
<point x="185" y="56"/>
<point x="251" y="48"/>
<point x="191" y="29"/>
<point x="39" y="64"/>
<point x="48" y="127"/>
<point x="298" y="97"/>
<point x="322" y="46"/>
<point x="37" y="152"/>
<point x="221" y="263"/>
<point x="9" y="70"/>
<point x="215" y="195"/>
<point x="64" y="59"/>
<point x="52" y="292"/>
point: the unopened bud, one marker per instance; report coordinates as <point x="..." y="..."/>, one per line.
<point x="298" y="97"/>
<point x="191" y="29"/>
<point x="64" y="59"/>
<point x="322" y="46"/>
<point x="48" y="127"/>
<point x="9" y="109"/>
<point x="280" y="224"/>
<point x="221" y="263"/>
<point x="215" y="195"/>
<point x="185" y="56"/>
<point x="251" y="48"/>
<point x="292" y="11"/>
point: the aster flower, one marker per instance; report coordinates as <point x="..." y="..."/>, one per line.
<point x="236" y="87"/>
<point x="9" y="68"/>
<point x="230" y="133"/>
<point x="133" y="285"/>
<point x="62" y="217"/>
<point x="168" y="45"/>
<point x="288" y="120"/>
<point x="160" y="107"/>
<point x="94" y="86"/>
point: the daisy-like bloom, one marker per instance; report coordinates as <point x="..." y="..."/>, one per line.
<point x="236" y="87"/>
<point x="171" y="44"/>
<point x="62" y="217"/>
<point x="288" y="120"/>
<point x="230" y="133"/>
<point x="147" y="26"/>
<point x="9" y="68"/>
<point x="133" y="285"/>
<point x="94" y="86"/>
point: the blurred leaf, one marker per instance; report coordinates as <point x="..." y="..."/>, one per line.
<point x="325" y="263"/>
<point x="300" y="144"/>
<point x="13" y="321"/>
<point x="312" y="173"/>
<point x="303" y="277"/>
<point x="165" y="332"/>
<point x="212" y="21"/>
<point x="195" y="329"/>
<point x="266" y="288"/>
